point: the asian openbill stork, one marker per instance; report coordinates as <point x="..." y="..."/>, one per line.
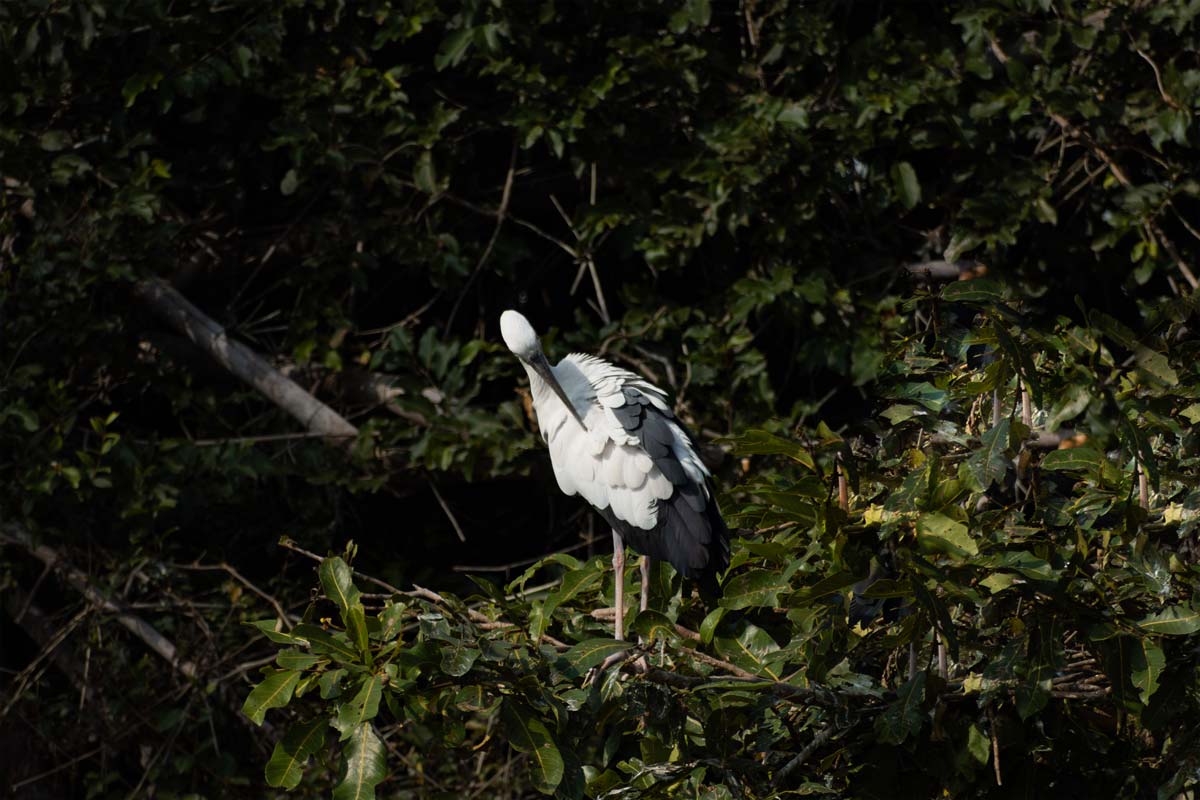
<point x="614" y="440"/>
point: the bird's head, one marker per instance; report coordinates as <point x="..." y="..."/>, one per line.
<point x="520" y="336"/>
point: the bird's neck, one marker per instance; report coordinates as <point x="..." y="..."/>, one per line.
<point x="538" y="388"/>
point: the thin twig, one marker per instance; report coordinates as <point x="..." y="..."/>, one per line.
<point x="1162" y="90"/>
<point x="995" y="745"/>
<point x="161" y="645"/>
<point x="462" y="537"/>
<point x="818" y="742"/>
<point x="288" y="544"/>
<point x="240" y="578"/>
<point x="58" y="768"/>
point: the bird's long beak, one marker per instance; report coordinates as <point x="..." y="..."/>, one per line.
<point x="542" y="367"/>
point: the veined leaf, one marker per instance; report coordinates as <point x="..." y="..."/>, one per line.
<point x="1172" y="621"/>
<point x="1146" y="667"/>
<point x="942" y="534"/>
<point x="1021" y="561"/>
<point x="1080" y="459"/>
<point x="458" y="657"/>
<point x="267" y="628"/>
<point x="322" y="641"/>
<point x="989" y="463"/>
<point x="754" y="588"/>
<point x="761" y="443"/>
<point x="294" y="659"/>
<point x="978" y="290"/>
<point x="903" y="717"/>
<point x="364" y="765"/>
<point x="591" y="652"/>
<point x="574" y="583"/>
<point x="651" y="625"/>
<point x="275" y="691"/>
<point x="822" y="589"/>
<point x="528" y="734"/>
<point x="749" y="649"/>
<point x="362" y="708"/>
<point x="291" y="754"/>
<point x="337" y="581"/>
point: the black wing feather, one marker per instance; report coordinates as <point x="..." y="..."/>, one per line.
<point x="690" y="533"/>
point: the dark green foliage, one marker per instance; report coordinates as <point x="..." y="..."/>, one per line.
<point x="723" y="197"/>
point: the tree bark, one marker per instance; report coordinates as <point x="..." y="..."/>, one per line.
<point x="243" y="362"/>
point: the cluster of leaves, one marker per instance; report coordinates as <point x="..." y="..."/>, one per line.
<point x="717" y="196"/>
<point x="1030" y="618"/>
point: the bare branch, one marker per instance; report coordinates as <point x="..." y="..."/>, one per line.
<point x="80" y="582"/>
<point x="243" y="362"/>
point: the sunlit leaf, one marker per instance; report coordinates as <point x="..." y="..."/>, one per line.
<point x="364" y="765"/>
<point x="275" y="691"/>
<point x="291" y="754"/>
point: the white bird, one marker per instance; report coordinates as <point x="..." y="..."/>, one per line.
<point x="614" y="440"/>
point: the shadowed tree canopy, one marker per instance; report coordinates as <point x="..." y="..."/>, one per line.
<point x="920" y="277"/>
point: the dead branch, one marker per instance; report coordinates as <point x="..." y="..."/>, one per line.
<point x="243" y="362"/>
<point x="80" y="582"/>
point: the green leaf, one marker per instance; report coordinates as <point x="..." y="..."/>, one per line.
<point x="589" y="653"/>
<point x="54" y="141"/>
<point x="528" y="734"/>
<point x="1172" y="621"/>
<point x="458" y="657"/>
<point x="761" y="443"/>
<point x="291" y="754"/>
<point x="1019" y="359"/>
<point x="275" y="691"/>
<point x="424" y="174"/>
<point x="977" y="290"/>
<point x="364" y="765"/>
<point x="573" y="583"/>
<point x="362" y="708"/>
<point x="294" y="659"/>
<point x="1081" y="459"/>
<point x="1146" y="667"/>
<point x="651" y="625"/>
<point x="337" y="581"/>
<point x="333" y="644"/>
<point x="941" y="534"/>
<point x="699" y="11"/>
<point x="905" y="184"/>
<point x="753" y="589"/>
<point x="267" y="628"/>
<point x="1021" y="561"/>
<point x="924" y="393"/>
<point x="826" y="587"/>
<point x="709" y="625"/>
<point x="453" y="48"/>
<point x="989" y="463"/>
<point x="749" y="649"/>
<point x="289" y="184"/>
<point x="903" y="717"/>
<point x="978" y="745"/>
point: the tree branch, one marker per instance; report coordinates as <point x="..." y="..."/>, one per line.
<point x="243" y="362"/>
<point x="79" y="581"/>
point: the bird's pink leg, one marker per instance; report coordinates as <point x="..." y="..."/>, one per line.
<point x="619" y="573"/>
<point x="644" y="601"/>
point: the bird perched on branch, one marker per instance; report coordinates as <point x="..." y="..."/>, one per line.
<point x="614" y="440"/>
